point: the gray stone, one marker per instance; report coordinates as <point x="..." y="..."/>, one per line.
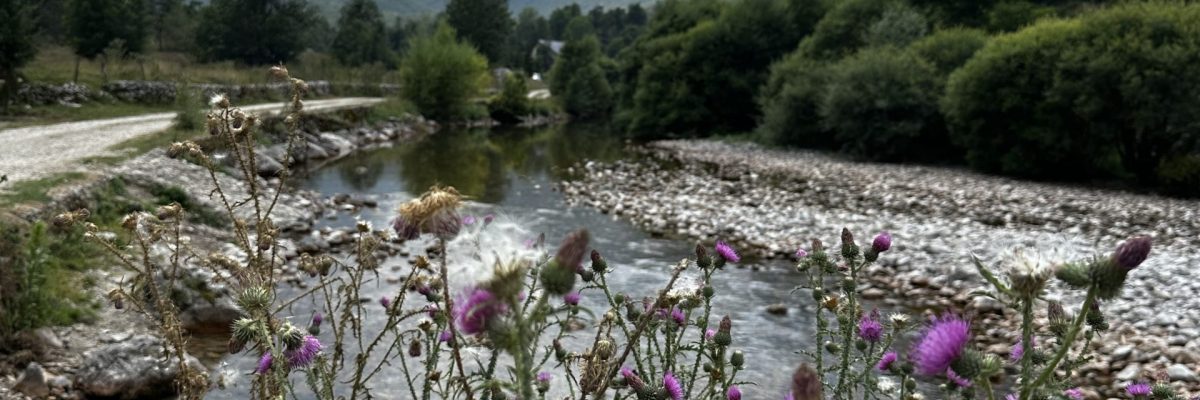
<point x="267" y="166"/>
<point x="1180" y="372"/>
<point x="1130" y="372"/>
<point x="33" y="382"/>
<point x="1122" y="352"/>
<point x="134" y="369"/>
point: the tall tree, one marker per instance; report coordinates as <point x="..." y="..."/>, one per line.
<point x="97" y="24"/>
<point x="577" y="80"/>
<point x="559" y="18"/>
<point x="483" y="23"/>
<point x="361" y="36"/>
<point x="255" y="32"/>
<point x="16" y="45"/>
<point x="531" y="27"/>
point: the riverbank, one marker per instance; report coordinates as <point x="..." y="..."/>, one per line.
<point x="771" y="202"/>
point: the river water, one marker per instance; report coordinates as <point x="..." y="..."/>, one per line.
<point x="512" y="173"/>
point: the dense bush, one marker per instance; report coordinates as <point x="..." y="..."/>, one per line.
<point x="790" y="103"/>
<point x="440" y="75"/>
<point x="1181" y="175"/>
<point x="577" y="80"/>
<point x="1114" y="91"/>
<point x="512" y="103"/>
<point x="1011" y="15"/>
<point x="881" y="104"/>
<point x="948" y="49"/>
<point x="842" y="30"/>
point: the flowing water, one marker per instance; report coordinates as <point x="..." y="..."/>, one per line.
<point x="512" y="173"/>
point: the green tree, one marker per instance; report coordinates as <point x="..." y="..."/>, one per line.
<point x="483" y="23"/>
<point x="790" y="102"/>
<point x="577" y="80"/>
<point x="579" y="28"/>
<point x="949" y="49"/>
<point x="100" y="25"/>
<point x="512" y="103"/>
<point x="441" y="74"/>
<point x="841" y="31"/>
<point x="255" y="32"/>
<point x="16" y="45"/>
<point x="361" y="36"/>
<point x="560" y="17"/>
<point x="404" y="30"/>
<point x="1116" y="90"/>
<point x="882" y="104"/>
<point x="530" y="27"/>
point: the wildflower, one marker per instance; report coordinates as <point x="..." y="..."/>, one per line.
<point x="886" y="361"/>
<point x="806" y="384"/>
<point x="724" y="328"/>
<point x="886" y="385"/>
<point x="543" y="381"/>
<point x="709" y="333"/>
<point x="432" y="310"/>
<point x="1132" y="253"/>
<point x="849" y="248"/>
<point x="414" y="349"/>
<point x="727" y="252"/>
<point x="678" y="317"/>
<point x="1028" y="272"/>
<point x="882" y="242"/>
<point x="1073" y="393"/>
<point x="1011" y="396"/>
<point x="436" y="212"/>
<point x="942" y="344"/>
<point x="304" y="354"/>
<point x="674" y="390"/>
<point x="445" y="336"/>
<point x="733" y="393"/>
<point x="898" y="320"/>
<point x="219" y="100"/>
<point x="1138" y="389"/>
<point x="473" y="313"/>
<point x="468" y="220"/>
<point x="571" y="298"/>
<point x="702" y="259"/>
<point x="632" y="379"/>
<point x="957" y="380"/>
<point x="869" y="328"/>
<point x="314" y="328"/>
<point x="264" y="364"/>
<point x="1018" y="349"/>
<point x="598" y="263"/>
<point x="487" y="219"/>
<point x="405" y="230"/>
<point x="385" y="302"/>
<point x="800" y="253"/>
<point x="558" y="276"/>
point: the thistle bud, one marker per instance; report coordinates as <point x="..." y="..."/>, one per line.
<point x="702" y="259"/>
<point x="968" y="365"/>
<point x="1059" y="321"/>
<point x="557" y="278"/>
<point x="1132" y="253"/>
<point x="849" y="249"/>
<point x="1095" y="318"/>
<point x="254" y="299"/>
<point x="314" y="328"/>
<point x="587" y="275"/>
<point x="279" y="72"/>
<point x="235" y="345"/>
<point x="806" y="384"/>
<point x="724" y="336"/>
<point x="599" y="265"/>
<point x="574" y="246"/>
<point x="604" y="349"/>
<point x="1074" y="274"/>
<point x="707" y="292"/>
<point x="130" y="222"/>
<point x="414" y="349"/>
<point x="737" y="359"/>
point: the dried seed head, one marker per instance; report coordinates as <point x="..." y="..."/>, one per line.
<point x="279" y="72"/>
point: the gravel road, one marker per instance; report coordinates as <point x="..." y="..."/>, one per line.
<point x="38" y="151"/>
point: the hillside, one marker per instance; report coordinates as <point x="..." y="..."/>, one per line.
<point x="409" y="8"/>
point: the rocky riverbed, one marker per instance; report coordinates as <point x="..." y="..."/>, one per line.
<point x="771" y="202"/>
<point x="119" y="355"/>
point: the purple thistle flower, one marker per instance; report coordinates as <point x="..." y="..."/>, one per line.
<point x="432" y="310"/>
<point x="304" y="355"/>
<point x="264" y="364"/>
<point x="1137" y="389"/>
<point x="445" y="336"/>
<point x="800" y="253"/>
<point x="958" y="380"/>
<point x="385" y="302"/>
<point x="886" y="361"/>
<point x="870" y="329"/>
<point x="543" y="377"/>
<point x="1073" y="393"/>
<point x="1131" y="253"/>
<point x="405" y="230"/>
<point x="708" y="334"/>
<point x="789" y="396"/>
<point x="1011" y="396"/>
<point x="316" y="319"/>
<point x="942" y="343"/>
<point x="487" y="219"/>
<point x="468" y="220"/>
<point x="1018" y="349"/>
<point x="882" y="242"/>
<point x="733" y="393"/>
<point x="672" y="385"/>
<point x="632" y="379"/>
<point x="571" y="298"/>
<point x="677" y="315"/>
<point x="424" y="289"/>
<point x="473" y="314"/>
<point x="727" y="252"/>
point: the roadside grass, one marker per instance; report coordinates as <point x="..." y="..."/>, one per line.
<point x="35" y="191"/>
<point x="392" y="107"/>
<point x="53" y="114"/>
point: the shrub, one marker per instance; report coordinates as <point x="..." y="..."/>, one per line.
<point x="1111" y="92"/>
<point x="1008" y="16"/>
<point x="1181" y="175"/>
<point x="840" y="31"/>
<point x="899" y="25"/>
<point x="440" y="75"/>
<point x="948" y="49"/>
<point x="790" y="102"/>
<point x="512" y="102"/>
<point x="578" y="81"/>
<point x="881" y="103"/>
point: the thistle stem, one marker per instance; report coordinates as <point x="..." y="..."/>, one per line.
<point x="1026" y="343"/>
<point x="1066" y="346"/>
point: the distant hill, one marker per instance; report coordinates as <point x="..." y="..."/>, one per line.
<point x="413" y="8"/>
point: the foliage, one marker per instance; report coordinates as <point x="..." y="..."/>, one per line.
<point x="578" y="28"/>
<point x="577" y="80"/>
<point x="1113" y="90"/>
<point x="1012" y="15"/>
<point x="881" y="104"/>
<point x="790" y="103"/>
<point x="898" y="26"/>
<point x="482" y="23"/>
<point x="948" y="49"/>
<point x="97" y="24"/>
<point x="840" y="32"/>
<point x="361" y="36"/>
<point x="699" y="65"/>
<point x="560" y="17"/>
<point x="512" y="102"/>
<point x="16" y="45"/>
<point x="254" y="32"/>
<point x="441" y="75"/>
<point x="530" y="28"/>
<point x="1180" y="175"/>
<point x="188" y="105"/>
<point x="38" y="278"/>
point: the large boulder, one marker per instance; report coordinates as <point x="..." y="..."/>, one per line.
<point x="136" y="368"/>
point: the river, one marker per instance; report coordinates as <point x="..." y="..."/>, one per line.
<point x="513" y="174"/>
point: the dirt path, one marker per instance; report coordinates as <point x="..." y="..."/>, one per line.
<point x="39" y="151"/>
